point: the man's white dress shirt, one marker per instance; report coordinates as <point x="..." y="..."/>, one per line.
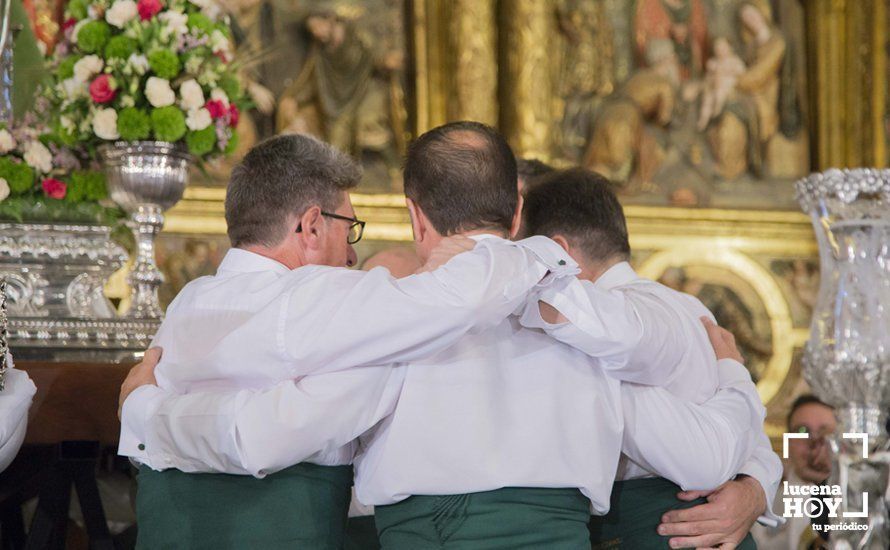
<point x="647" y="334"/>
<point x="15" y="400"/>
<point x="264" y="358"/>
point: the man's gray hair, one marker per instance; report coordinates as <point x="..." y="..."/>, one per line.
<point x="278" y="180"/>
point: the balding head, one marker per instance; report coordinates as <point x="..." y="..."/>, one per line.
<point x="463" y="176"/>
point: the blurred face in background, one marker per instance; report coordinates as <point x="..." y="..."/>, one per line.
<point x="811" y="458"/>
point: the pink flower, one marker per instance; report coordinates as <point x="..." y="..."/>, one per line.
<point x="148" y="8"/>
<point x="234" y="114"/>
<point x="54" y="188"/>
<point x="101" y="90"/>
<point x="216" y="107"/>
<point x="69" y="23"/>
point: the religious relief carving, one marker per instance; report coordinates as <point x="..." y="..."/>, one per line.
<point x="330" y="68"/>
<point x="712" y="110"/>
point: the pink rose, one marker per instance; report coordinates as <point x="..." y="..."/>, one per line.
<point x="101" y="90"/>
<point x="234" y="114"/>
<point x="148" y="8"/>
<point x="217" y="108"/>
<point x="54" y="188"/>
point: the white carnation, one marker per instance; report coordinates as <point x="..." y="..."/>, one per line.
<point x="210" y="8"/>
<point x="220" y="95"/>
<point x="219" y="42"/>
<point x="7" y="142"/>
<point x="176" y="22"/>
<point x="121" y="12"/>
<point x="38" y="157"/>
<point x="105" y="124"/>
<point x="159" y="92"/>
<point x="192" y="95"/>
<point x="86" y="67"/>
<point x="74" y="88"/>
<point x="138" y="63"/>
<point x="4" y="189"/>
<point x="198" y="119"/>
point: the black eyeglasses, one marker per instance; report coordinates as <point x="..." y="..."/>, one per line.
<point x="356" y="228"/>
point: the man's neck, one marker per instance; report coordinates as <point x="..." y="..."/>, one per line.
<point x="594" y="270"/>
<point x="290" y="261"/>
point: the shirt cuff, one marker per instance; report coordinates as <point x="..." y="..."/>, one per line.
<point x="138" y="409"/>
<point x="552" y="256"/>
<point x="732" y="373"/>
<point x="755" y="470"/>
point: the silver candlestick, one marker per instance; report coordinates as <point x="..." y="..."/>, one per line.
<point x="145" y="178"/>
<point x="847" y="359"/>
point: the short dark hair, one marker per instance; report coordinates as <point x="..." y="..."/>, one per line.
<point x="463" y="176"/>
<point x="805" y="399"/>
<point x="530" y="171"/>
<point x="281" y="178"/>
<point x="581" y="206"/>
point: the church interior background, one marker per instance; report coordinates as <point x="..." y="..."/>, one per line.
<point x="703" y="112"/>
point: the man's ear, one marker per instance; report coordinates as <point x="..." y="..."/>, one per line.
<point x="310" y="224"/>
<point x="516" y="224"/>
<point x="419" y="221"/>
<point x="562" y="241"/>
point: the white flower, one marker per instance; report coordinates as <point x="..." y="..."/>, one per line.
<point x="38" y="157"/>
<point x="198" y="119"/>
<point x="176" y="22"/>
<point x="7" y="142"/>
<point x="193" y="64"/>
<point x="121" y="12"/>
<point x="191" y="94"/>
<point x="74" y="88"/>
<point x="220" y="95"/>
<point x="159" y="92"/>
<point x="219" y="42"/>
<point x="105" y="124"/>
<point x="127" y="101"/>
<point x="86" y="67"/>
<point x="4" y="189"/>
<point x="138" y="63"/>
<point x="210" y="8"/>
<point x="66" y="123"/>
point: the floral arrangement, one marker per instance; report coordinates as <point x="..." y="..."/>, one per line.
<point x="138" y="70"/>
<point x="42" y="180"/>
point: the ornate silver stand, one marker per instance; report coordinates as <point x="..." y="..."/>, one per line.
<point x="55" y="276"/>
<point x="847" y="359"/>
<point x="145" y="178"/>
<point x="4" y="347"/>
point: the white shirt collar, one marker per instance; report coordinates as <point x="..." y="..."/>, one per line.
<point x="619" y="274"/>
<point x="238" y="260"/>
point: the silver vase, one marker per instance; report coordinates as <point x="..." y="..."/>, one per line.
<point x="847" y="358"/>
<point x="145" y="178"/>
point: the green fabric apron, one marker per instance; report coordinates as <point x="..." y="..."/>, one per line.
<point x="506" y="519"/>
<point x="302" y="507"/>
<point x="361" y="534"/>
<point x="635" y="513"/>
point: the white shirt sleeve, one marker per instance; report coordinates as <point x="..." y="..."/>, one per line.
<point x="765" y="466"/>
<point x="697" y="446"/>
<point x="15" y="400"/>
<point x="362" y="319"/>
<point x="256" y="432"/>
<point x="635" y="336"/>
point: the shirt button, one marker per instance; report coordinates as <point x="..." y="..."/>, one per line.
<point x="141" y="447"/>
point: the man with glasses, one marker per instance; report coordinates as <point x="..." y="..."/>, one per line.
<point x="277" y="336"/>
<point x="503" y="440"/>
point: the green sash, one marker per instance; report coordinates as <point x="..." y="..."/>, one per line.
<point x="302" y="507"/>
<point x="506" y="519"/>
<point x="635" y="513"/>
